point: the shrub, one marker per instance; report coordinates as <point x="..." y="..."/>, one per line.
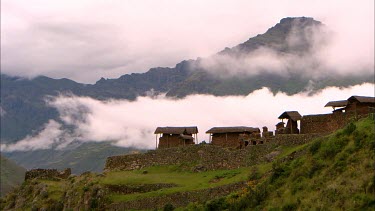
<point x="315" y="146"/>
<point x="44" y="194"/>
<point x="279" y="170"/>
<point x="289" y="207"/>
<point x="254" y="173"/>
<point x="349" y="129"/>
<point x="365" y="202"/>
<point x="168" y="207"/>
<point x="216" y="205"/>
<point x="333" y="146"/>
<point x="57" y="206"/>
<point x="194" y="207"/>
<point x="85" y="188"/>
<point x="316" y="165"/>
<point x="297" y="185"/>
<point x="94" y="203"/>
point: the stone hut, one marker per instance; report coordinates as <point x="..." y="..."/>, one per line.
<point x="352" y="108"/>
<point x="360" y="105"/>
<point x="175" y="136"/>
<point x="341" y="104"/>
<point x="232" y="137"/>
<point x="291" y="125"/>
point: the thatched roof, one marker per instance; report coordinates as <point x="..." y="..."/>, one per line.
<point x="176" y="130"/>
<point x="294" y="115"/>
<point x="239" y="129"/>
<point x="362" y="99"/>
<point x="186" y="137"/>
<point x="340" y="103"/>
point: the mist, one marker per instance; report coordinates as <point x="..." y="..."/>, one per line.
<point x="86" y="40"/>
<point x="132" y="123"/>
<point x="314" y="52"/>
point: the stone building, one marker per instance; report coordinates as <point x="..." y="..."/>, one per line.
<point x="337" y="104"/>
<point x="291" y="125"/>
<point x="232" y="137"/>
<point x="175" y="136"/>
<point x="360" y="105"/>
<point x="353" y="108"/>
<point x="266" y="133"/>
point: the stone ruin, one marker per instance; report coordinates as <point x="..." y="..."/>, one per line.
<point x="47" y="174"/>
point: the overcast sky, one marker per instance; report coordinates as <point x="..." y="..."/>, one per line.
<point x="88" y="39"/>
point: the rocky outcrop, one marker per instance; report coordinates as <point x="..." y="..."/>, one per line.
<point x="47" y="174"/>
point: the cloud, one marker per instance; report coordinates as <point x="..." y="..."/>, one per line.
<point x="312" y="52"/>
<point x="132" y="123"/>
<point x="52" y="136"/>
<point x="85" y="40"/>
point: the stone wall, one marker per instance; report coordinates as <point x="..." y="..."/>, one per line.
<point x="213" y="157"/>
<point x="225" y="139"/>
<point x="359" y="108"/>
<point x="142" y="188"/>
<point x="179" y="199"/>
<point x="173" y="140"/>
<point x="47" y="174"/>
<point x="323" y="123"/>
<point x="206" y="156"/>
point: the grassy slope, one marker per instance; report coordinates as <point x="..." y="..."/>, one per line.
<point x="336" y="173"/>
<point x="11" y="175"/>
<point x="330" y="173"/>
<point x="185" y="181"/>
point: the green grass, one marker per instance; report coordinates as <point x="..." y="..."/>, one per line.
<point x="55" y="188"/>
<point x="287" y="150"/>
<point x="185" y="180"/>
<point x="335" y="173"/>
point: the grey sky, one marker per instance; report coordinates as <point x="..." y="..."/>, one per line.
<point x="86" y="40"/>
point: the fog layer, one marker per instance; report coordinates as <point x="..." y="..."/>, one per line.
<point x="132" y="123"/>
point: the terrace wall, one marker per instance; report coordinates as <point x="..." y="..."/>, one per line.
<point x="47" y="174"/>
<point x="206" y="156"/>
<point x="323" y="123"/>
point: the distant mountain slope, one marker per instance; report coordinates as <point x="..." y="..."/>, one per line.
<point x="86" y="157"/>
<point x="23" y="101"/>
<point x="11" y="174"/>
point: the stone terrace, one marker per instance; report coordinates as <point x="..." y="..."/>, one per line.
<point x="206" y="157"/>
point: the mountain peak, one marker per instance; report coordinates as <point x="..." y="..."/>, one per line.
<point x="299" y="19"/>
<point x="287" y="24"/>
<point x="276" y="37"/>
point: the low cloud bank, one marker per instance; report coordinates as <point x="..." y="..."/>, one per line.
<point x="132" y="123"/>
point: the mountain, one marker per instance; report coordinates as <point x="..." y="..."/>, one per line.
<point x="82" y="158"/>
<point x="11" y="175"/>
<point x="24" y="111"/>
